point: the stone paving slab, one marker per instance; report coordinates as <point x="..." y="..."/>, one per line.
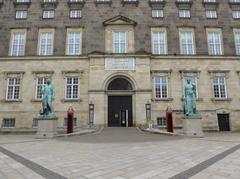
<point x="128" y="153"/>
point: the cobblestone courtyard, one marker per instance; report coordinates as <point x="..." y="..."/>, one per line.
<point x="120" y="153"/>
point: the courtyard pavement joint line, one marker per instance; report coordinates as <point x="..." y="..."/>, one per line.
<point x="44" y="172"/>
<point x="205" y="164"/>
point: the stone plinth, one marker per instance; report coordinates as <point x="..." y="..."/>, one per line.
<point x="47" y="126"/>
<point x="192" y="126"/>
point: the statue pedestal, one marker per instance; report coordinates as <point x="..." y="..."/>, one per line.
<point x="47" y="127"/>
<point x="192" y="126"/>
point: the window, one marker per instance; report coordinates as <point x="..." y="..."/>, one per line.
<point x="13" y="89"/>
<point x="8" y="123"/>
<point x="211" y="14"/>
<point x="161" y="87"/>
<point x="214" y="42"/>
<point x="72" y="88"/>
<point x="73" y="46"/>
<point x="219" y="87"/>
<point x="193" y="80"/>
<point x="17" y="44"/>
<point x="75" y="14"/>
<point x="21" y="14"/>
<point x="237" y="40"/>
<point x="236" y="14"/>
<point x="120" y="42"/>
<point x="48" y="14"/>
<point x="46" y="39"/>
<point x="162" y="121"/>
<point x="157" y="13"/>
<point x="34" y="123"/>
<point x="159" y="42"/>
<point x="184" y="14"/>
<point x="41" y="81"/>
<point x="187" y="46"/>
<point x="74" y="122"/>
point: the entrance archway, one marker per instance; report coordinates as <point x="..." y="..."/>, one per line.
<point x="120" y="106"/>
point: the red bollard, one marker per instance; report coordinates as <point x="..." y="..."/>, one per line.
<point x="70" y="114"/>
<point x="169" y="119"/>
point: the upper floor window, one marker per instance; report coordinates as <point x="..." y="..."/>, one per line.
<point x="13" y="88"/>
<point x="119" y="42"/>
<point x="236" y="14"/>
<point x="17" y="44"/>
<point x="157" y="13"/>
<point x="184" y="14"/>
<point x="187" y="44"/>
<point x="21" y="14"/>
<point x="215" y="46"/>
<point x="159" y="41"/>
<point x="161" y="87"/>
<point x="237" y="40"/>
<point x="75" y="14"/>
<point x="219" y="87"/>
<point x="72" y="88"/>
<point x="73" y="46"/>
<point x="48" y="14"/>
<point x="211" y="14"/>
<point x="45" y="44"/>
<point x="19" y="1"/>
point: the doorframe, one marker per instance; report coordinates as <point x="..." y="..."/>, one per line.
<point x="122" y="93"/>
<point x="230" y="126"/>
<point x="224" y="111"/>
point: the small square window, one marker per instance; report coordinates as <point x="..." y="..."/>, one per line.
<point x="184" y="14"/>
<point x="162" y="121"/>
<point x="8" y="123"/>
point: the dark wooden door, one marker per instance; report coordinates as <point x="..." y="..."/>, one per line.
<point x="120" y="111"/>
<point x="223" y="122"/>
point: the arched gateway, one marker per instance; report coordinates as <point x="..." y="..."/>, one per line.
<point x="120" y="91"/>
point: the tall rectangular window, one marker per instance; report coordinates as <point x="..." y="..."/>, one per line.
<point x="159" y="42"/>
<point x="13" y="89"/>
<point x="73" y="46"/>
<point x="187" y="46"/>
<point x="237" y="40"/>
<point x="161" y="87"/>
<point x="46" y="39"/>
<point x="72" y="88"/>
<point x="214" y="42"/>
<point x="17" y="44"/>
<point x="219" y="87"/>
<point x="120" y="42"/>
<point x="41" y="81"/>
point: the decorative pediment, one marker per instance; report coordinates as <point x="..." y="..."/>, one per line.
<point x="119" y="20"/>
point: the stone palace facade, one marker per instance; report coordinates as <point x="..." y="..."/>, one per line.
<point x="119" y="56"/>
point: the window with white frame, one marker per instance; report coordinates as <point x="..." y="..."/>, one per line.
<point x="21" y="14"/>
<point x="120" y="42"/>
<point x="13" y="88"/>
<point x="162" y="121"/>
<point x="219" y="87"/>
<point x="161" y="87"/>
<point x="237" y="40"/>
<point x="8" y="123"/>
<point x="40" y="82"/>
<point x="75" y="14"/>
<point x="184" y="13"/>
<point x="159" y="42"/>
<point x="48" y="14"/>
<point x="214" y="42"/>
<point x="17" y="45"/>
<point x="157" y="13"/>
<point x="193" y="81"/>
<point x="211" y="14"/>
<point x="46" y="39"/>
<point x="236" y="14"/>
<point x="72" y="88"/>
<point x="73" y="46"/>
<point x="187" y="46"/>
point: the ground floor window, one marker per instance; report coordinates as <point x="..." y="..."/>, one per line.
<point x="162" y="121"/>
<point x="35" y="123"/>
<point x="13" y="89"/>
<point x="219" y="87"/>
<point x="8" y="123"/>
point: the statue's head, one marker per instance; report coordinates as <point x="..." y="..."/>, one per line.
<point x="48" y="81"/>
<point x="188" y="81"/>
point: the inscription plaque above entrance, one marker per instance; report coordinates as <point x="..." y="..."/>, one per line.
<point x="120" y="64"/>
